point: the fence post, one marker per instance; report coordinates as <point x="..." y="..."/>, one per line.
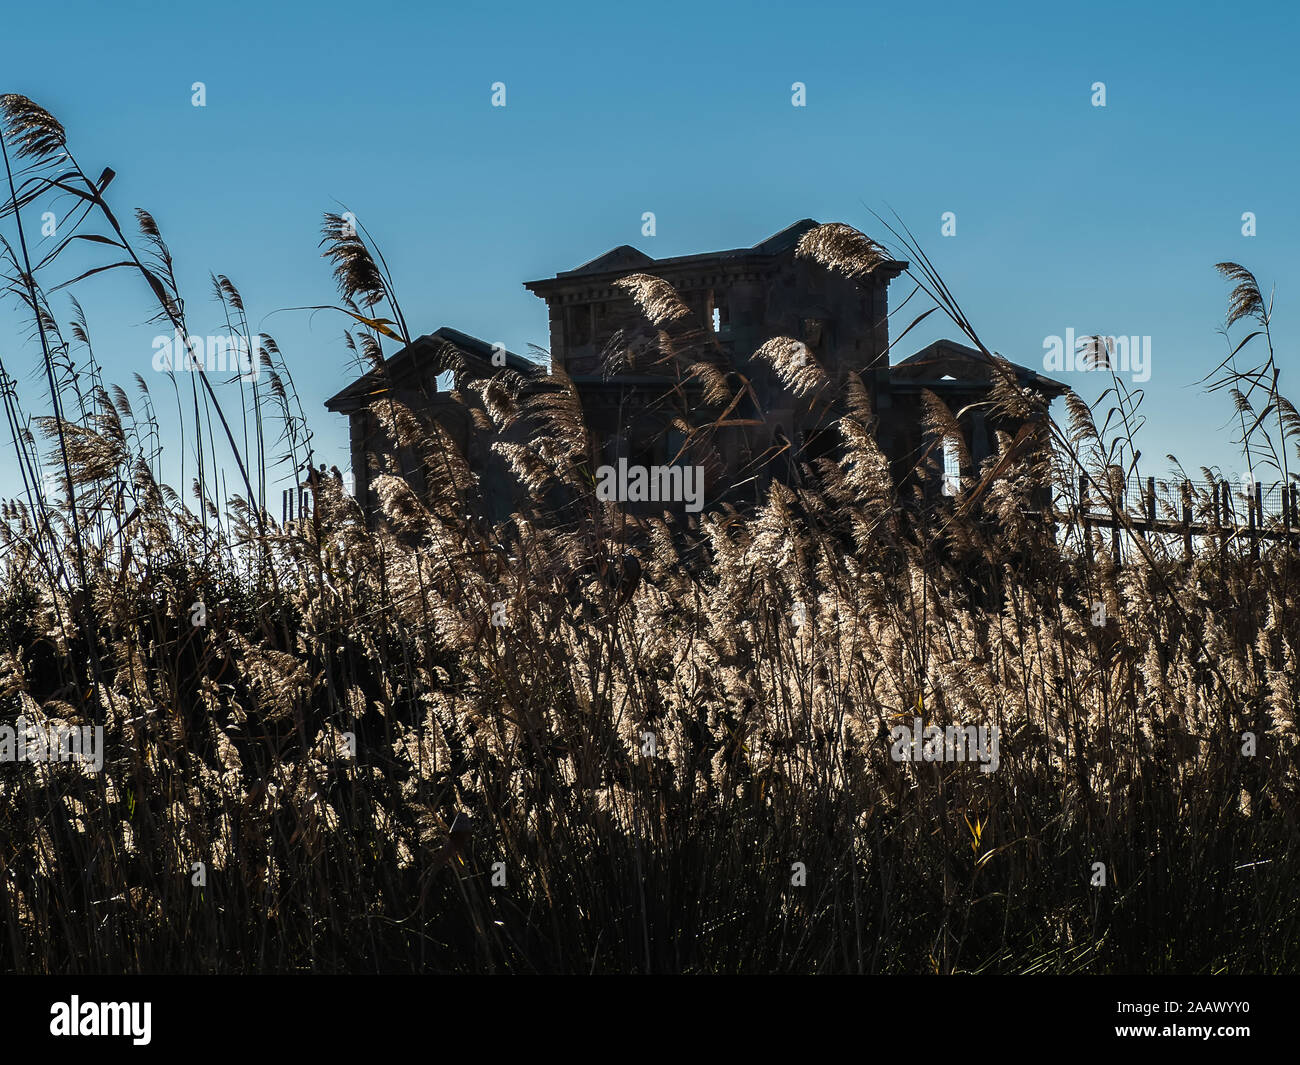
<point x="1187" y="521"/>
<point x="1083" y="509"/>
<point x="1222" y="511"/>
<point x="1254" y="519"/>
<point x="1116" y="509"/>
<point x="1257" y="524"/>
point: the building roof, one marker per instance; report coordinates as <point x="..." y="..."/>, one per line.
<point x="436" y="350"/>
<point x="947" y="364"/>
<point x="626" y="259"/>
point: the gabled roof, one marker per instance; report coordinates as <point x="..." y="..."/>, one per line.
<point x="429" y="351"/>
<point x="785" y="239"/>
<point x="474" y="346"/>
<point x="626" y="259"/>
<point x="948" y="359"/>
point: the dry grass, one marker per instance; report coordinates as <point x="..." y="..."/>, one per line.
<point x="767" y="651"/>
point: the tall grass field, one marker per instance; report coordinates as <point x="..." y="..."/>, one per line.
<point x="582" y="740"/>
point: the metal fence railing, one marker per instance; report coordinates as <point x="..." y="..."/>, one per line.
<point x="1246" y="509"/>
<point x="1223" y="502"/>
<point x="296" y="504"/>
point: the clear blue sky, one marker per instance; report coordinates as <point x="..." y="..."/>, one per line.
<point x="1100" y="220"/>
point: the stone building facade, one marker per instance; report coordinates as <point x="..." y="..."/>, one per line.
<point x="641" y="407"/>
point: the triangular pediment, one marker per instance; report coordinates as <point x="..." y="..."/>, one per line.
<point x="624" y="257"/>
<point x="786" y="238"/>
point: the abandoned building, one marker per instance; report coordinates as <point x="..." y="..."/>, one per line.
<point x="635" y="405"/>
